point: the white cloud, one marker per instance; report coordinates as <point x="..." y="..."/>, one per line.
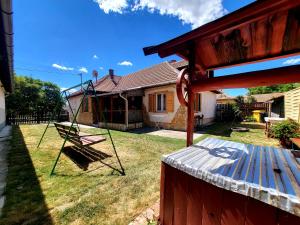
<point x="194" y="12"/>
<point x="71" y="90"/>
<point x="83" y="70"/>
<point x="116" y="6"/>
<point x="125" y="63"/>
<point x="291" y="61"/>
<point x="95" y="57"/>
<point x="60" y="67"/>
<point x="101" y="68"/>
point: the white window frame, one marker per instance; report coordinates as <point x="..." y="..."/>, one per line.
<point x="163" y="104"/>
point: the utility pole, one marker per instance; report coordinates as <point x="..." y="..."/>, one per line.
<point x="80" y="79"/>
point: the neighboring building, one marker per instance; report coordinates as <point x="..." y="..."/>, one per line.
<point x="6" y="56"/>
<point x="223" y="98"/>
<point x="275" y="103"/>
<point x="146" y="97"/>
<point x="292" y="104"/>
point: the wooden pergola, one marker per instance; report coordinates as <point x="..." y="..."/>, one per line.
<point x="261" y="31"/>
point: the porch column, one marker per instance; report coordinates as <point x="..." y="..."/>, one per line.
<point x="126" y="109"/>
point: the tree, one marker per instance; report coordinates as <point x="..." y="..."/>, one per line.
<point x="274" y="88"/>
<point x="33" y="95"/>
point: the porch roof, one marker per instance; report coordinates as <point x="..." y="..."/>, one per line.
<point x="260" y="31"/>
<point x="6" y="45"/>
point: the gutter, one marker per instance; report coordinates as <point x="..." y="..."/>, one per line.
<point x="126" y="108"/>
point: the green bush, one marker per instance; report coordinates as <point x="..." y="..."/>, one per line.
<point x="250" y="119"/>
<point x="285" y="130"/>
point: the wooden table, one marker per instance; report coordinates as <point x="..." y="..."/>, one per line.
<point x="295" y="141"/>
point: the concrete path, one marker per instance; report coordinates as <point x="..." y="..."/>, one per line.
<point x="5" y="136"/>
<point x="173" y="134"/>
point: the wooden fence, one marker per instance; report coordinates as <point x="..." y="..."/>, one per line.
<point x="224" y="112"/>
<point x="34" y="118"/>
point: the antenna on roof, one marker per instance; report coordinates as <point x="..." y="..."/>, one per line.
<point x="95" y="74"/>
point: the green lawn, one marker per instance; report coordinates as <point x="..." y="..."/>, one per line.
<point x="98" y="195"/>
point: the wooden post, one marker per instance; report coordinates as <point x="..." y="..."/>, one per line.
<point x="190" y="118"/>
<point x="191" y="96"/>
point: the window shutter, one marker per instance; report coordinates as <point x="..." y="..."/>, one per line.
<point x="170" y="101"/>
<point x="152" y="102"/>
<point x="150" y="99"/>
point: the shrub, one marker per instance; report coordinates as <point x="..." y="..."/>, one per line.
<point x="250" y="119"/>
<point x="285" y="130"/>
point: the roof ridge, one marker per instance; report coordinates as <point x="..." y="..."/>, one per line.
<point x="173" y="68"/>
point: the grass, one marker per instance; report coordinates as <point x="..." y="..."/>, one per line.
<point x="99" y="195"/>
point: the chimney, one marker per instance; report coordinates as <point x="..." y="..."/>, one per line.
<point x="111" y="74"/>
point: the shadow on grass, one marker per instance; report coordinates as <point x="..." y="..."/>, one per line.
<point x="83" y="157"/>
<point x="218" y="129"/>
<point x="25" y="202"/>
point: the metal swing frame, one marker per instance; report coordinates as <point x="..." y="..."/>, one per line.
<point x="87" y="90"/>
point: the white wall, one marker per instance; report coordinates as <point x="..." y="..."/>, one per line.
<point x="74" y="102"/>
<point x="2" y="107"/>
<point x="163" y="117"/>
<point x="208" y="105"/>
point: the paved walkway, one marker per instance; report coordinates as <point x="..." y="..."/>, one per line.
<point x="5" y="136"/>
<point x="173" y="134"/>
<point x="149" y="215"/>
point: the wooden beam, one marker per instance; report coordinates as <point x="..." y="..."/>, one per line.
<point x="190" y="118"/>
<point x="283" y="75"/>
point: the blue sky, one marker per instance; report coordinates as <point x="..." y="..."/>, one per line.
<point x="55" y="40"/>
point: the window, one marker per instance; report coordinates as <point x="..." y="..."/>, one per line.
<point x="85" y="104"/>
<point x="161" y="102"/>
<point x="197" y="102"/>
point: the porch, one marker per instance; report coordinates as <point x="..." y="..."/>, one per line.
<point x="120" y="111"/>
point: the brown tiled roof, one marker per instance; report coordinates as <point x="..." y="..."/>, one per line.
<point x="153" y="76"/>
<point x="180" y="64"/>
<point x="106" y="84"/>
<point x="267" y="97"/>
<point x="159" y="74"/>
<point x="224" y="96"/>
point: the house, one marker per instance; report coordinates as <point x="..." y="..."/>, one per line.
<point x="6" y="56"/>
<point x="274" y="101"/>
<point x="146" y="97"/>
<point x="223" y="98"/>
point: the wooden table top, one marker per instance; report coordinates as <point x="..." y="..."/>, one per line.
<point x="296" y="141"/>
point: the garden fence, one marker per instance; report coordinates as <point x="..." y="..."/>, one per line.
<point x="34" y="118"/>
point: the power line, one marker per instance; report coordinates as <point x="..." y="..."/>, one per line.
<point x="44" y="71"/>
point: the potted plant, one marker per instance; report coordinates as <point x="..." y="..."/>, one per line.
<point x="284" y="131"/>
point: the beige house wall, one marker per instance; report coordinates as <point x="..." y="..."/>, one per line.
<point x="292" y="104"/>
<point x="177" y="119"/>
<point x="82" y="117"/>
<point x="169" y="120"/>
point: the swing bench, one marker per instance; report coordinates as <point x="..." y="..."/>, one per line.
<point x="82" y="141"/>
<point x="77" y="138"/>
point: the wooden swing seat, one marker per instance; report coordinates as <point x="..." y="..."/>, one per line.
<point x="77" y="138"/>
